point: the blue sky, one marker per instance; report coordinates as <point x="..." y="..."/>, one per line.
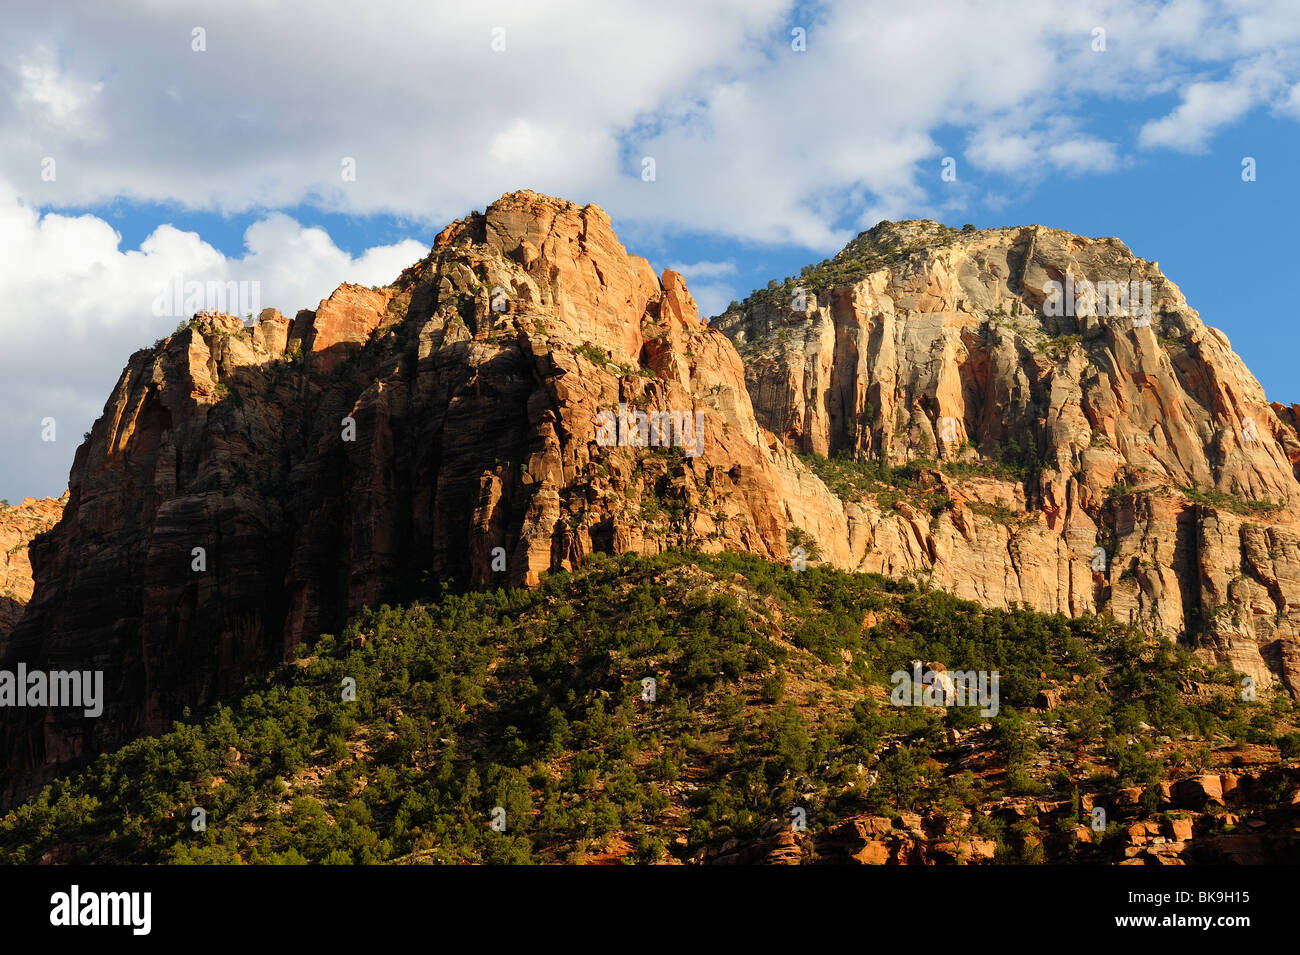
<point x="207" y="141"/>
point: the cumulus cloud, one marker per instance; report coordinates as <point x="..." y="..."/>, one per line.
<point x="752" y="137"/>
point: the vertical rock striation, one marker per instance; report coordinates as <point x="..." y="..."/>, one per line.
<point x="1140" y="468"/>
<point x="247" y="488"/>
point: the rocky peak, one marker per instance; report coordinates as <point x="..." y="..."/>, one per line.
<point x="1083" y="373"/>
<point x="1143" y="468"/>
<point x="541" y="255"/>
<point x="526" y="394"/>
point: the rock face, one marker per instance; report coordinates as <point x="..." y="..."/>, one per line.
<point x="18" y="525"/>
<point x="1144" y="458"/>
<point x="249" y="488"/>
<point x="530" y="393"/>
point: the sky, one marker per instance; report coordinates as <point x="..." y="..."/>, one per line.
<point x="298" y="146"/>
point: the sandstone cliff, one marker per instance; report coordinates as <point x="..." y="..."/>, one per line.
<point x="18" y="525"/>
<point x="1133" y="463"/>
<point x="247" y="488"/>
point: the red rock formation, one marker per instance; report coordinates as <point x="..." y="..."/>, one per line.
<point x="246" y="489"/>
<point x="18" y="525"/>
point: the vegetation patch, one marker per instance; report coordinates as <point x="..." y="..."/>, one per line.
<point x="770" y="690"/>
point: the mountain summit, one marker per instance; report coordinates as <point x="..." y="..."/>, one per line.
<point x="529" y="393"/>
<point x="516" y="400"/>
<point x="1090" y="445"/>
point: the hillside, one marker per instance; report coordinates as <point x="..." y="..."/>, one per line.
<point x="771" y="695"/>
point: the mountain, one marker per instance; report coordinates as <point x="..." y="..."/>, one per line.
<point x="249" y="488"/>
<point x="706" y="709"/>
<point x="918" y="410"/>
<point x="1072" y="436"/>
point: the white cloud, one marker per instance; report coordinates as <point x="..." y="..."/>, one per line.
<point x="1002" y="151"/>
<point x="1057" y="145"/>
<point x="525" y="143"/>
<point x="1083" y="154"/>
<point x="51" y="97"/>
<point x="712" y="297"/>
<point x="1207" y="107"/>
<point x="438" y="122"/>
<point x="300" y="266"/>
<point x="1291" y="103"/>
<point x="704" y="269"/>
<point x="751" y="138"/>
